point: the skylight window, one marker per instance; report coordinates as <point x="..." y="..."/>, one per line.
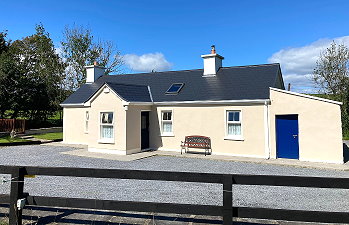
<point x="174" y="89"/>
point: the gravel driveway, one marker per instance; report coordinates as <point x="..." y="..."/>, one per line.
<point x="175" y="192"/>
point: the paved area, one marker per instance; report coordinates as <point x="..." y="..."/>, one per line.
<point x="174" y="192"/>
<point x="81" y="150"/>
<point x="44" y="130"/>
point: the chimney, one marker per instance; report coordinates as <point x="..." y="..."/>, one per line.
<point x="289" y="87"/>
<point x="212" y="62"/>
<point x="93" y="72"/>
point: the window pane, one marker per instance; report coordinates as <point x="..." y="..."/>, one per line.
<point x="236" y="116"/>
<point x="103" y="117"/>
<point x="110" y="118"/>
<point x="166" y="115"/>
<point x="167" y="127"/>
<point x="107" y="132"/>
<point x="143" y="122"/>
<point x="234" y="129"/>
<point x="107" y="118"/>
<point x="175" y="88"/>
<point x="233" y="116"/>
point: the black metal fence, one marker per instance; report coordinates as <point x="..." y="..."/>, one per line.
<point x="227" y="211"/>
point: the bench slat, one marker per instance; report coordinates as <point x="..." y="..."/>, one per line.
<point x="197" y="142"/>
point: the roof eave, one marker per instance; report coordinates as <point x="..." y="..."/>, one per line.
<point x="217" y="102"/>
<point x="306" y="96"/>
<point x="72" y="105"/>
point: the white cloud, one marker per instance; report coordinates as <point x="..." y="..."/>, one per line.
<point x="298" y="63"/>
<point x="147" y="62"/>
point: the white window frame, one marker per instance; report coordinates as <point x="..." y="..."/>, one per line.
<point x="106" y="140"/>
<point x="166" y="134"/>
<point x="87" y="118"/>
<point x="233" y="137"/>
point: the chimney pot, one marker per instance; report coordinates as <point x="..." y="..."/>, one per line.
<point x="213" y="49"/>
<point x="95" y="63"/>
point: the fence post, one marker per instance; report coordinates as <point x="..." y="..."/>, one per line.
<point x="227" y="199"/>
<point x="17" y="184"/>
<point x="13" y="124"/>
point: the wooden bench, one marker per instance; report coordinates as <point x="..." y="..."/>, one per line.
<point x="196" y="142"/>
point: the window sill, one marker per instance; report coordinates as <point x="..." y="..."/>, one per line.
<point x="106" y="141"/>
<point x="167" y="135"/>
<point x="230" y="138"/>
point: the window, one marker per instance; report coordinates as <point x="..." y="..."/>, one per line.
<point x="87" y="117"/>
<point x="107" y="127"/>
<point x="166" y="123"/>
<point x="234" y="124"/>
<point x="175" y="88"/>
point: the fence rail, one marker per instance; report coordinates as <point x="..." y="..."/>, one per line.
<point x="7" y="125"/>
<point x="227" y="210"/>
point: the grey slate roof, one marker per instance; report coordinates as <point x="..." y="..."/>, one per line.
<point x="230" y="83"/>
<point x="131" y="92"/>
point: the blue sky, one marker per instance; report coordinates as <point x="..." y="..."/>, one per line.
<point x="171" y="35"/>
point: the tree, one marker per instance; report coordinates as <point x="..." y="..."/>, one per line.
<point x="33" y="74"/>
<point x="4" y="43"/>
<point x="331" y="71"/>
<point x="5" y="63"/>
<point x="79" y="49"/>
<point x="331" y="77"/>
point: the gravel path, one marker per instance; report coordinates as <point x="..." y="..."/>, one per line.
<point x="175" y="192"/>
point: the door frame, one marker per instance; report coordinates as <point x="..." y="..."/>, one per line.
<point x="276" y="135"/>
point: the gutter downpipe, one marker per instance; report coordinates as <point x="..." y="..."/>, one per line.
<point x="266" y="130"/>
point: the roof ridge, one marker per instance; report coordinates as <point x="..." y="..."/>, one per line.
<point x="151" y="73"/>
<point x="139" y="85"/>
<point x="190" y="70"/>
<point x="256" y="65"/>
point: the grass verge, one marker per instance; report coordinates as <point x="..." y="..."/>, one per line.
<point x="8" y="139"/>
<point x="49" y="136"/>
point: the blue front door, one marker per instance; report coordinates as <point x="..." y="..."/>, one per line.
<point x="287" y="136"/>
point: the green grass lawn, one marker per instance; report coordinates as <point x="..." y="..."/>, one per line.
<point x="8" y="139"/>
<point x="49" y="136"/>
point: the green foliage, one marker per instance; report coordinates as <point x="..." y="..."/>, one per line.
<point x="80" y="49"/>
<point x="9" y="74"/>
<point x="4" y="43"/>
<point x="49" y="136"/>
<point x="331" y="71"/>
<point x="331" y="77"/>
<point x="8" y="139"/>
<point x="31" y="77"/>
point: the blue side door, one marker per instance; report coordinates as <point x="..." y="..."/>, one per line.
<point x="287" y="136"/>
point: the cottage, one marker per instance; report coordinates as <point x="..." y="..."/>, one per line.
<point x="245" y="110"/>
